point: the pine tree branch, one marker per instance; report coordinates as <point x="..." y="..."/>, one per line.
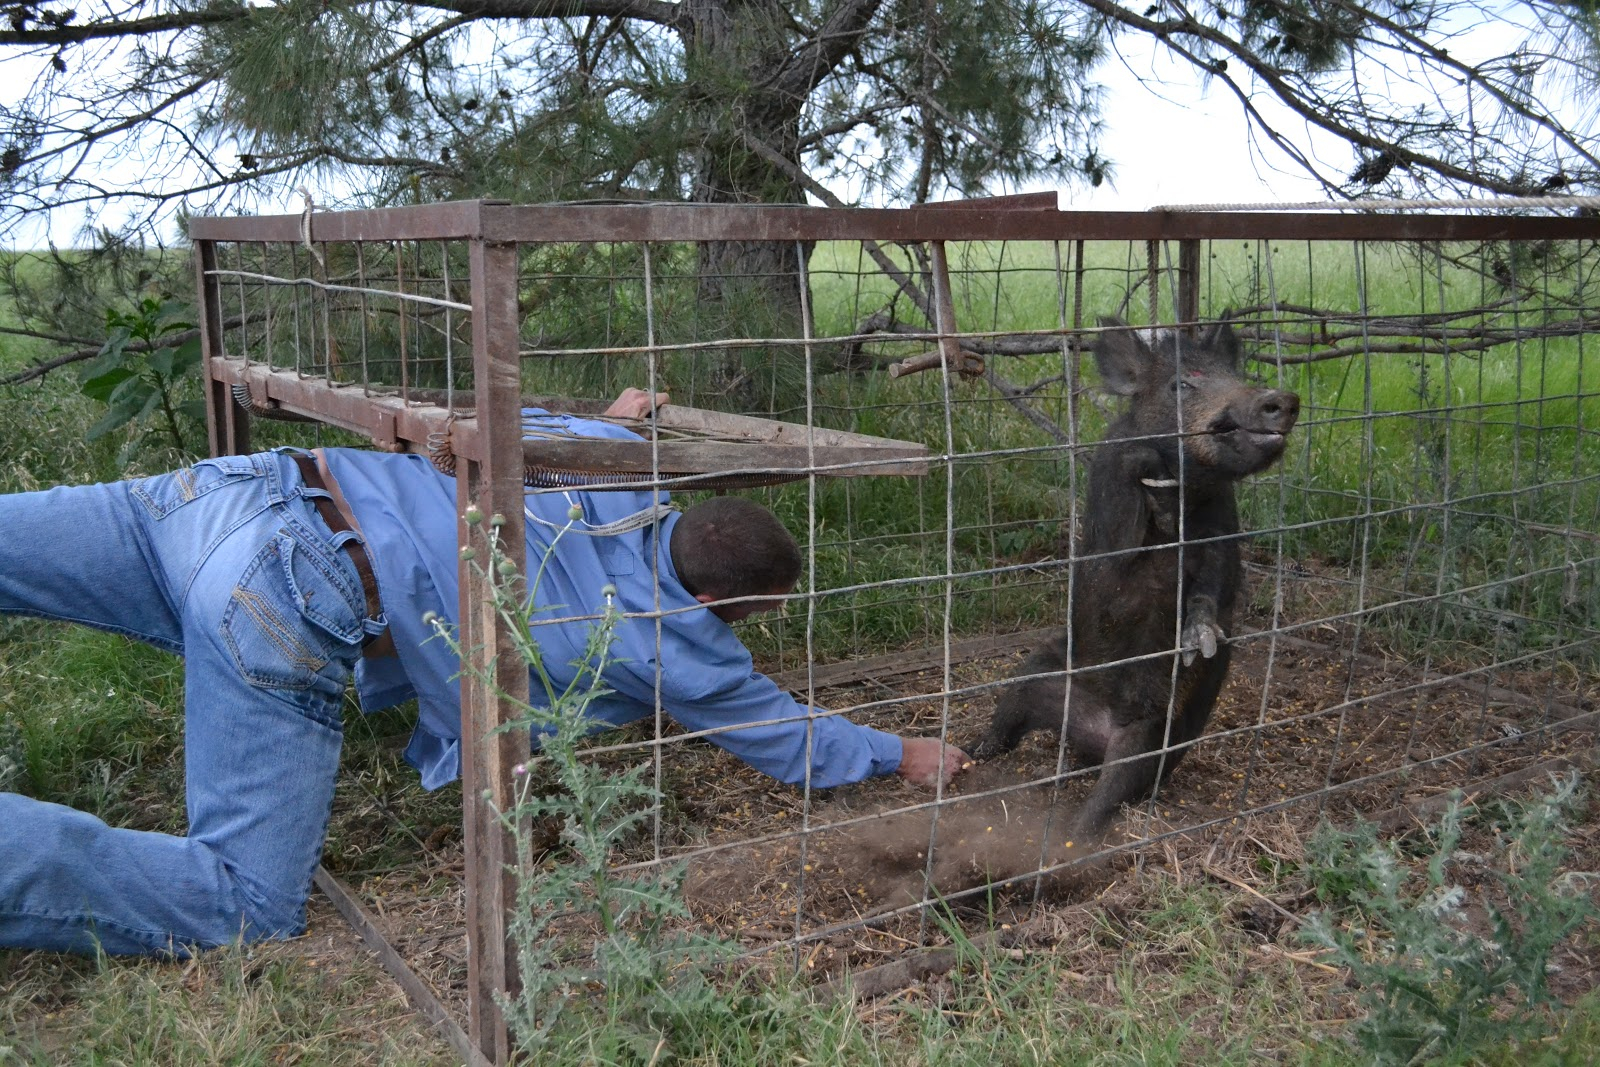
<point x="212" y="15"/>
<point x="413" y="163"/>
<point x="97" y="194"/>
<point x="658" y="12"/>
<point x="92" y="349"/>
<point x="93" y="134"/>
<point x="1306" y="105"/>
<point x="848" y="122"/>
<point x="1016" y="397"/>
<point x="1419" y="46"/>
<point x="40" y="335"/>
<point x="810" y="64"/>
<point x="433" y="33"/>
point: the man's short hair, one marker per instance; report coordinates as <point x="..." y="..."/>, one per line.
<point x="728" y="546"/>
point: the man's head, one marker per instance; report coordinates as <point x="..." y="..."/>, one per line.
<point x="731" y="547"/>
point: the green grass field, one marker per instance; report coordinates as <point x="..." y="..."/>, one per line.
<point x="1426" y="474"/>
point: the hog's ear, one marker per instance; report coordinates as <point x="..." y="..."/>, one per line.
<point x="1220" y="340"/>
<point x="1122" y="357"/>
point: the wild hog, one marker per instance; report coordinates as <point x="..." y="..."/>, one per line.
<point x="1193" y="426"/>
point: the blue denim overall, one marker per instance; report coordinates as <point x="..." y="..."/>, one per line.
<point x="228" y="564"/>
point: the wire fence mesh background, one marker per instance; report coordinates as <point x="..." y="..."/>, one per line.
<point x="1420" y="609"/>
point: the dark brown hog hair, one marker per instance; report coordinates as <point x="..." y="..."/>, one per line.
<point x="1129" y="571"/>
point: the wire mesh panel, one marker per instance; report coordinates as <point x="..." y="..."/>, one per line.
<point x="920" y="397"/>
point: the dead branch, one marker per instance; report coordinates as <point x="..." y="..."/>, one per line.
<point x="1407" y="817"/>
<point x="171" y="340"/>
<point x="899" y="277"/>
<point x="968" y="366"/>
<point x="875" y="982"/>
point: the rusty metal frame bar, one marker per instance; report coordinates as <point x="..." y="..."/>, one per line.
<point x="416" y="990"/>
<point x="974" y="220"/>
<point x="493" y="483"/>
<point x="397" y="424"/>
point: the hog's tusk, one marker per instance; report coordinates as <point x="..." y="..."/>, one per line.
<point x="1160" y="483"/>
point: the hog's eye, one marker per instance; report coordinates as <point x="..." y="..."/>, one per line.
<point x="1183" y="384"/>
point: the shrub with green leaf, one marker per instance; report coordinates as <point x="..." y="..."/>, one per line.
<point x="1452" y="960"/>
<point x="140" y="371"/>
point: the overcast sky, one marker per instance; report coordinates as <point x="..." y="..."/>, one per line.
<point x="1175" y="141"/>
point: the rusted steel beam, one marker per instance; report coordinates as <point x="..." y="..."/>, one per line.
<point x="955" y="360"/>
<point x="1186" y="287"/>
<point x="493" y="483"/>
<point x="416" y="990"/>
<point x="227" y="429"/>
<point x="453" y="220"/>
<point x="386" y="419"/>
<point x="962" y="221"/>
<point x="768" y="222"/>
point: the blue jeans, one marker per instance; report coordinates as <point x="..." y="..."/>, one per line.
<point x="228" y="564"/>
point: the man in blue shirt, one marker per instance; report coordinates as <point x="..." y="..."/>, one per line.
<point x="279" y="576"/>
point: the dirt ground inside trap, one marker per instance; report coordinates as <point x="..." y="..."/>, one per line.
<point x="1312" y="735"/>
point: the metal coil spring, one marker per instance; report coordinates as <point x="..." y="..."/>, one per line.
<point x="242" y="397"/>
<point x="538" y="477"/>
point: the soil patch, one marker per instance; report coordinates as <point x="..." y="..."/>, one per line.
<point x="1302" y="730"/>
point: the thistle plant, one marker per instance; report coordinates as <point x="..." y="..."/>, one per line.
<point x="604" y="956"/>
<point x="1447" y="970"/>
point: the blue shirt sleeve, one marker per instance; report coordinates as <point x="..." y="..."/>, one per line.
<point x="709" y="684"/>
<point x="840" y="750"/>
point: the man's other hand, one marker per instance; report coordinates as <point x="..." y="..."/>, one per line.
<point x="925" y="762"/>
<point x="635" y="404"/>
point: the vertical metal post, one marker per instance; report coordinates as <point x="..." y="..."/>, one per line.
<point x="227" y="424"/>
<point x="944" y="309"/>
<point x="1152" y="279"/>
<point x="494" y="483"/>
<point x="1186" y="294"/>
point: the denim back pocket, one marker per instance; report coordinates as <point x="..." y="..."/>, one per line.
<point x="166" y="493"/>
<point x="293" y="611"/>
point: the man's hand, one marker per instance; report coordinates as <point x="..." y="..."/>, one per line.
<point x="925" y="762"/>
<point x="635" y="404"/>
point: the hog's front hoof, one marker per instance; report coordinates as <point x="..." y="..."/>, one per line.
<point x="1204" y="637"/>
<point x="987" y="749"/>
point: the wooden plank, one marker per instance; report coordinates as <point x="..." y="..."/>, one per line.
<point x="710" y="457"/>
<point x="770" y="431"/>
<point x="394" y="423"/>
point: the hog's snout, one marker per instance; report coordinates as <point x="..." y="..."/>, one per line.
<point x="1250" y="433"/>
<point x="1275" y="411"/>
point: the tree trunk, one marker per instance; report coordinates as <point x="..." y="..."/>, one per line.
<point x="749" y="288"/>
